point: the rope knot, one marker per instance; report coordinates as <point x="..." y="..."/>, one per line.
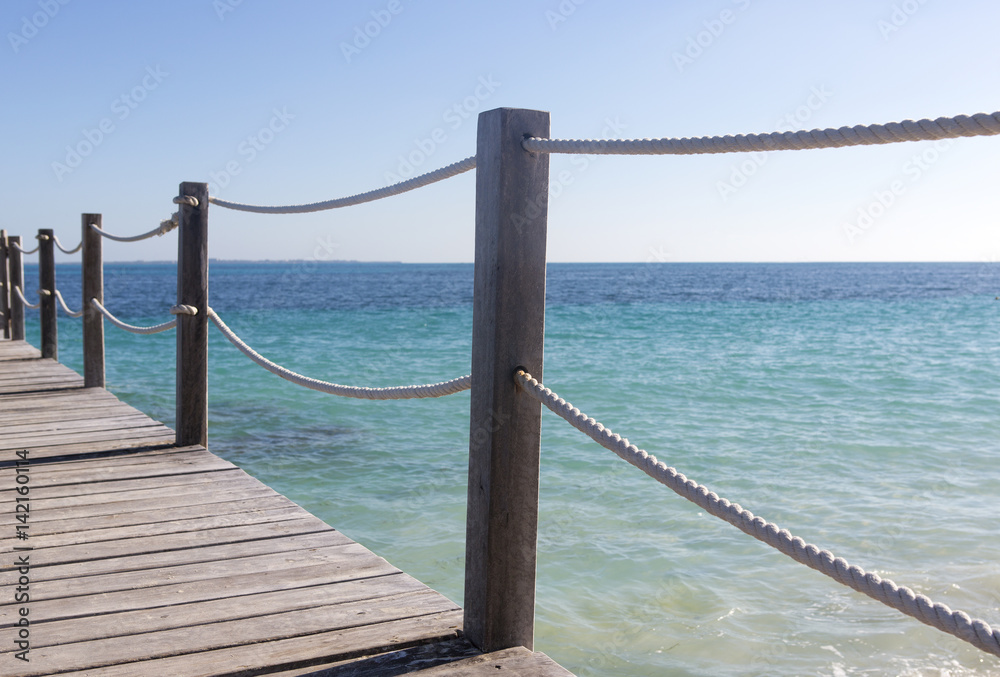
<point x="188" y="200"/>
<point x="168" y="225"/>
<point x="182" y="309"/>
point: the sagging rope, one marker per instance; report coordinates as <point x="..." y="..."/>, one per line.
<point x="957" y="623"/>
<point x="155" y="329"/>
<point x="20" y="295"/>
<point x="393" y="393"/>
<point x="165" y="227"/>
<point x="69" y="312"/>
<point x="63" y="249"/>
<point x="403" y="186"/>
<point x="980" y="124"/>
<point x="19" y="248"/>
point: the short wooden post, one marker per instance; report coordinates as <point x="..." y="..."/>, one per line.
<point x="192" y="330"/>
<point x="16" y="268"/>
<point x="92" y="270"/>
<point x="508" y="321"/>
<point x="4" y="285"/>
<point x="47" y="282"/>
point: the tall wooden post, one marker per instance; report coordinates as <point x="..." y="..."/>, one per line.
<point x="47" y="282"/>
<point x="508" y="327"/>
<point x="93" y="288"/>
<point x="192" y="330"/>
<point x="16" y="268"/>
<point x="4" y="285"/>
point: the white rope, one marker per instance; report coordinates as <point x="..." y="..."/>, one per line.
<point x="20" y="295"/>
<point x="372" y="195"/>
<point x="860" y="135"/>
<point x="62" y="302"/>
<point x="155" y="329"/>
<point x="394" y="393"/>
<point x="165" y="227"/>
<point x="63" y="249"/>
<point x="19" y="248"/>
<point x="976" y="632"/>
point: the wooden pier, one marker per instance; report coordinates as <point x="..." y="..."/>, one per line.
<point x="148" y="558"/>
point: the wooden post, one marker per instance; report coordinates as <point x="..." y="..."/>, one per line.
<point x="4" y="285"/>
<point x="47" y="281"/>
<point x="508" y="327"/>
<point x="92" y="269"/>
<point x="16" y="268"/>
<point x="192" y="330"/>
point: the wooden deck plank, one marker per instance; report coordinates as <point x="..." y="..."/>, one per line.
<point x="153" y="559"/>
<point x="150" y="571"/>
<point x="263" y="657"/>
<point x="196" y="637"/>
<point x="71" y="605"/>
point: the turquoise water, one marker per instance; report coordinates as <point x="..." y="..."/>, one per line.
<point x="854" y="404"/>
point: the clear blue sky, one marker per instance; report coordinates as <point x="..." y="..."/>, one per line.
<point x="184" y="88"/>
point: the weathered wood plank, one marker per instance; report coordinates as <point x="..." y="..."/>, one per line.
<point x="92" y="268"/>
<point x="69" y="604"/>
<point x="148" y="571"/>
<point x="192" y="330"/>
<point x="294" y="652"/>
<point x="508" y="333"/>
<point x="187" y="543"/>
<point x="261" y="515"/>
<point x="368" y="614"/>
<point x="410" y="660"/>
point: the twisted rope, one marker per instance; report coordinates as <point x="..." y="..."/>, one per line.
<point x="155" y="329"/>
<point x="20" y="295"/>
<point x="957" y="623"/>
<point x="860" y="135"/>
<point x="62" y="302"/>
<point x="19" y="248"/>
<point x="63" y="249"/>
<point x="165" y="227"/>
<point x="394" y="393"/>
<point x="372" y="195"/>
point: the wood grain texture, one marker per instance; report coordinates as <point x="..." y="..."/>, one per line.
<point x="47" y="280"/>
<point x="4" y="286"/>
<point x="15" y="271"/>
<point x="192" y="330"/>
<point x="173" y="561"/>
<point x="508" y="333"/>
<point x="93" y="288"/>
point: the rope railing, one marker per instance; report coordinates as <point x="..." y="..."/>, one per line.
<point x="155" y="329"/>
<point x="20" y="295"/>
<point x="957" y="623"/>
<point x="980" y="124"/>
<point x="402" y="187"/>
<point x="24" y="251"/>
<point x="165" y="227"/>
<point x="392" y="393"/>
<point x="74" y="250"/>
<point x="62" y="302"/>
